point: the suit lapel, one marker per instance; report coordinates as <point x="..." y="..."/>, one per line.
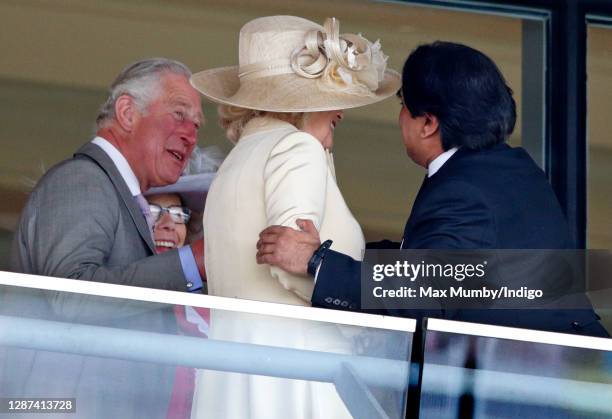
<point x="98" y="155"/>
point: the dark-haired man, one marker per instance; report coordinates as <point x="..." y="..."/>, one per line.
<point x="479" y="193"/>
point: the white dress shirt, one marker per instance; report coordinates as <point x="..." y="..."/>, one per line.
<point x="439" y="161"/>
<point x="121" y="163"/>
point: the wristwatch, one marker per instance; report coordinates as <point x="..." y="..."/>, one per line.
<point x="317" y="257"/>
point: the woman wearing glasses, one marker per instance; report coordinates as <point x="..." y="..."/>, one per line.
<point x="170" y="232"/>
<point x="177" y="210"/>
<point x="170" y="229"/>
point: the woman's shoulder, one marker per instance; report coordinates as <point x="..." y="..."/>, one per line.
<point x="296" y="152"/>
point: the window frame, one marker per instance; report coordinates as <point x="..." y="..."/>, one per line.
<point x="565" y="145"/>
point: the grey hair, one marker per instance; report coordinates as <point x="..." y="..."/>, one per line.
<point x="140" y="80"/>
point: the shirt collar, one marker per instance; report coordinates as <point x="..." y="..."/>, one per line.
<point x="121" y="163"/>
<point x="439" y="161"/>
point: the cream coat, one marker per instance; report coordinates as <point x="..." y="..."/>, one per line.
<point x="274" y="175"/>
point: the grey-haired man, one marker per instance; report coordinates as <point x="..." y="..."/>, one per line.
<point x="87" y="219"/>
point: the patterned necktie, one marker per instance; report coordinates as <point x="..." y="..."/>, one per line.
<point x="144" y="208"/>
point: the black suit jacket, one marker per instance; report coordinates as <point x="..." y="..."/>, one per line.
<point x="496" y="198"/>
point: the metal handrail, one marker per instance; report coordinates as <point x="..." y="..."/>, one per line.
<point x="200" y="353"/>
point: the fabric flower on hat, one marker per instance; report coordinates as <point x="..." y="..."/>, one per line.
<point x="354" y="64"/>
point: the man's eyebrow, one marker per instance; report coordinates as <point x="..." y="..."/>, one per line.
<point x="180" y="103"/>
<point x="186" y="105"/>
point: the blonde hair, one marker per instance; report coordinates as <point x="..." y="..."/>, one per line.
<point x="233" y="119"/>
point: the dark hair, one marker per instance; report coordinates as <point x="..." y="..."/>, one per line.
<point x="464" y="89"/>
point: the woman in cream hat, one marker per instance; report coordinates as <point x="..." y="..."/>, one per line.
<point x="280" y="106"/>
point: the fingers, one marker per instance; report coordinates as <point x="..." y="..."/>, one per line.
<point x="271" y="234"/>
<point x="267" y="239"/>
<point x="266" y="253"/>
<point x="273" y="230"/>
<point x="262" y="259"/>
<point x="264" y="249"/>
<point x="280" y="246"/>
<point x="265" y="258"/>
<point x="267" y="249"/>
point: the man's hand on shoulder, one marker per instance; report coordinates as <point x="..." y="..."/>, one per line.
<point x="287" y="248"/>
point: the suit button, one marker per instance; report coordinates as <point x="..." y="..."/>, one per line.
<point x="576" y="326"/>
<point x="328" y="300"/>
<point x="189" y="284"/>
<point x="336" y="302"/>
<point x="344" y="304"/>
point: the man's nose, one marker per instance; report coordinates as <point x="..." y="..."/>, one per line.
<point x="189" y="133"/>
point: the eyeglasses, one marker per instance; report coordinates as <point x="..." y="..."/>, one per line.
<point x="179" y="215"/>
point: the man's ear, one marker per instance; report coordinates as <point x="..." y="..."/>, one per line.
<point x="125" y="112"/>
<point x="431" y="125"/>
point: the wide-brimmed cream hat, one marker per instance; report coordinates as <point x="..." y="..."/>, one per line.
<point x="290" y="64"/>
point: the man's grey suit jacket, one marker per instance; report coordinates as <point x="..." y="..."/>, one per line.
<point x="82" y="222"/>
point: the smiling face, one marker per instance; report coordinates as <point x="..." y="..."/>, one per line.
<point x="321" y="125"/>
<point x="167" y="234"/>
<point x="164" y="135"/>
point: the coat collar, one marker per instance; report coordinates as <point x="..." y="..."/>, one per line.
<point x="265" y="123"/>
<point x="439" y="161"/>
<point x="462" y="152"/>
<point x="95" y="153"/>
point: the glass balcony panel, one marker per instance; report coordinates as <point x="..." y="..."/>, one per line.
<point x="132" y="352"/>
<point x="480" y="371"/>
